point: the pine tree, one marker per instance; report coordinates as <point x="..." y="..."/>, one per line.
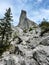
<point x="5" y="30"/>
<point x="8" y="19"/>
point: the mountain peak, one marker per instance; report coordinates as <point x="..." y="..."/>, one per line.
<point x="24" y="22"/>
<point x="23" y="12"/>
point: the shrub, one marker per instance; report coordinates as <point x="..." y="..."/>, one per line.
<point x="3" y="48"/>
<point x="44" y="24"/>
<point x="44" y="27"/>
<point x="30" y="29"/>
<point x="25" y="30"/>
<point x="44" y="31"/>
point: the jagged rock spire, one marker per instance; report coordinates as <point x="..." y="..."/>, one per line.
<point x="24" y="22"/>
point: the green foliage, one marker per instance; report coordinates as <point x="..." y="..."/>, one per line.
<point x="5" y="30"/>
<point x="44" y="24"/>
<point x="44" y="27"/>
<point x="3" y="48"/>
<point x="30" y="29"/>
<point x="25" y="30"/>
<point x="44" y="31"/>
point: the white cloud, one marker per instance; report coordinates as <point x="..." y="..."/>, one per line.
<point x="4" y="6"/>
<point x="21" y="1"/>
<point x="36" y="15"/>
<point x="39" y="15"/>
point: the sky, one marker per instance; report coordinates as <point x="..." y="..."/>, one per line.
<point x="36" y="9"/>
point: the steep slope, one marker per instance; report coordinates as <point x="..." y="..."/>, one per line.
<point x="26" y="48"/>
<point x="24" y="22"/>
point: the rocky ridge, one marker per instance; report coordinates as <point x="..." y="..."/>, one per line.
<point x="27" y="48"/>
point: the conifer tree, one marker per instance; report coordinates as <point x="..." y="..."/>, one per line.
<point x="5" y="26"/>
<point x="8" y="19"/>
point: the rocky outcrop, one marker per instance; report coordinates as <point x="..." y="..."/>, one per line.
<point x="28" y="52"/>
<point x="41" y="55"/>
<point x="24" y="22"/>
<point x="45" y="41"/>
<point x="26" y="48"/>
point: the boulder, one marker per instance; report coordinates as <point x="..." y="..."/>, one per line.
<point x="41" y="55"/>
<point x="45" y="41"/>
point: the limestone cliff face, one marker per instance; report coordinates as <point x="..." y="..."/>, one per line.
<point x="24" y="22"/>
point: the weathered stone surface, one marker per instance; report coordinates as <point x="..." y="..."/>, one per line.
<point x="24" y="22"/>
<point x="26" y="48"/>
<point x="45" y="41"/>
<point x="41" y="55"/>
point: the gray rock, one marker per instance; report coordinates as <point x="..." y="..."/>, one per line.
<point x="24" y="22"/>
<point x="31" y="62"/>
<point x="10" y="61"/>
<point x="41" y="55"/>
<point x="26" y="48"/>
<point x="45" y="41"/>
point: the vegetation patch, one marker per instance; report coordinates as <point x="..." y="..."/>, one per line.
<point x="5" y="31"/>
<point x="30" y="29"/>
<point x="25" y="30"/>
<point x="44" y="25"/>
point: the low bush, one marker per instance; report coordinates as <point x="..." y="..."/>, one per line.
<point x="3" y="48"/>
<point x="44" y="25"/>
<point x="44" y="31"/>
<point x="30" y="29"/>
<point x="25" y="30"/>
